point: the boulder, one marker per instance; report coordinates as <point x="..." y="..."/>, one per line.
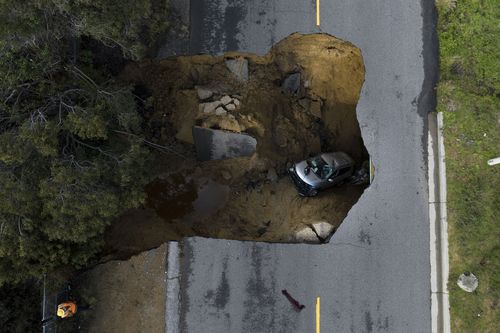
<point x="239" y="67"/>
<point x="291" y="84"/>
<point x="236" y="102"/>
<point x="231" y="107"/>
<point x="324" y="230"/>
<point x="211" y="106"/>
<point x="226" y="100"/>
<point x="204" y="93"/>
<point x="220" y="111"/>
<point x="307" y="235"/>
<point x="468" y="282"/>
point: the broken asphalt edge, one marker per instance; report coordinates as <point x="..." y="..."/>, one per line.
<point x="440" y="306"/>
<point x="172" y="299"/>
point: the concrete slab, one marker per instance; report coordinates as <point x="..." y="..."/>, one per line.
<point x="217" y="144"/>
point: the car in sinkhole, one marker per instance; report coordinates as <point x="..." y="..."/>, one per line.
<point x="320" y="172"/>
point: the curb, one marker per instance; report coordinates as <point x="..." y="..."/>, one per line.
<point x="172" y="307"/>
<point x="440" y="307"/>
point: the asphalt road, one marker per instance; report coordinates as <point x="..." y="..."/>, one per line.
<point x="374" y="275"/>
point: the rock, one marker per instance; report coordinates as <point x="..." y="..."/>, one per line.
<point x="231" y="107"/>
<point x="307" y="235"/>
<point x="291" y="84"/>
<point x="220" y="111"/>
<point x="226" y="100"/>
<point x="324" y="230"/>
<point x="315" y="109"/>
<point x="272" y="175"/>
<point x="239" y="67"/>
<point x="211" y="106"/>
<point x="468" y="282"/>
<point x="236" y="102"/>
<point x="204" y="93"/>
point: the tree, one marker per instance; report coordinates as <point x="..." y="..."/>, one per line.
<point x="72" y="156"/>
<point x="133" y="25"/>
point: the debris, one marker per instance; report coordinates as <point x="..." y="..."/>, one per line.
<point x="236" y="102"/>
<point x="292" y="300"/>
<point x="226" y="100"/>
<point x="204" y="93"/>
<point x="323" y="230"/>
<point x="239" y="67"/>
<point x="359" y="177"/>
<point x="307" y="235"/>
<point x="291" y="84"/>
<point x="217" y="145"/>
<point x="231" y="107"/>
<point x="468" y="282"/>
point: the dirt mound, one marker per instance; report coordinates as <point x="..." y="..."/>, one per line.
<point x="297" y="101"/>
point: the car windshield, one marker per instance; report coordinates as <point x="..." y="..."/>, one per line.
<point x="320" y="168"/>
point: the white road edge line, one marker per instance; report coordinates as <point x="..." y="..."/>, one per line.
<point x="172" y="274"/>
<point x="440" y="307"/>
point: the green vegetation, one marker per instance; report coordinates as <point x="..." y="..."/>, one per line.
<point x="72" y="154"/>
<point x="468" y="94"/>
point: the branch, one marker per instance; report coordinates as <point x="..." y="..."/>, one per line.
<point x="152" y="144"/>
<point x="19" y="226"/>
<point x="96" y="148"/>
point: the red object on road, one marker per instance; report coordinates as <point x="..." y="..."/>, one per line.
<point x="292" y="300"/>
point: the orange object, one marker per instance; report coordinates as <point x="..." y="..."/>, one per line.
<point x="66" y="309"/>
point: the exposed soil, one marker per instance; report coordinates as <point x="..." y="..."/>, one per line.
<point x="247" y="198"/>
<point x="124" y="296"/>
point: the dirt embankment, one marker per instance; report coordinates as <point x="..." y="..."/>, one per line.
<point x="124" y="296"/>
<point x="297" y="101"/>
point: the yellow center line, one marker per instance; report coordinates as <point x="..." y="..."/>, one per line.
<point x="317" y="12"/>
<point x="318" y="321"/>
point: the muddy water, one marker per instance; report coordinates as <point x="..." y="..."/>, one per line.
<point x="177" y="197"/>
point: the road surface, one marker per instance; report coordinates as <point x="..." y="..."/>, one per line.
<point x="374" y="275"/>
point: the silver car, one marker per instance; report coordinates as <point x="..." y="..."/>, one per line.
<point x="320" y="172"/>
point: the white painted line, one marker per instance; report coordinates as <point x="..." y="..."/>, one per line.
<point x="172" y="307"/>
<point x="318" y="13"/>
<point x="438" y="226"/>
